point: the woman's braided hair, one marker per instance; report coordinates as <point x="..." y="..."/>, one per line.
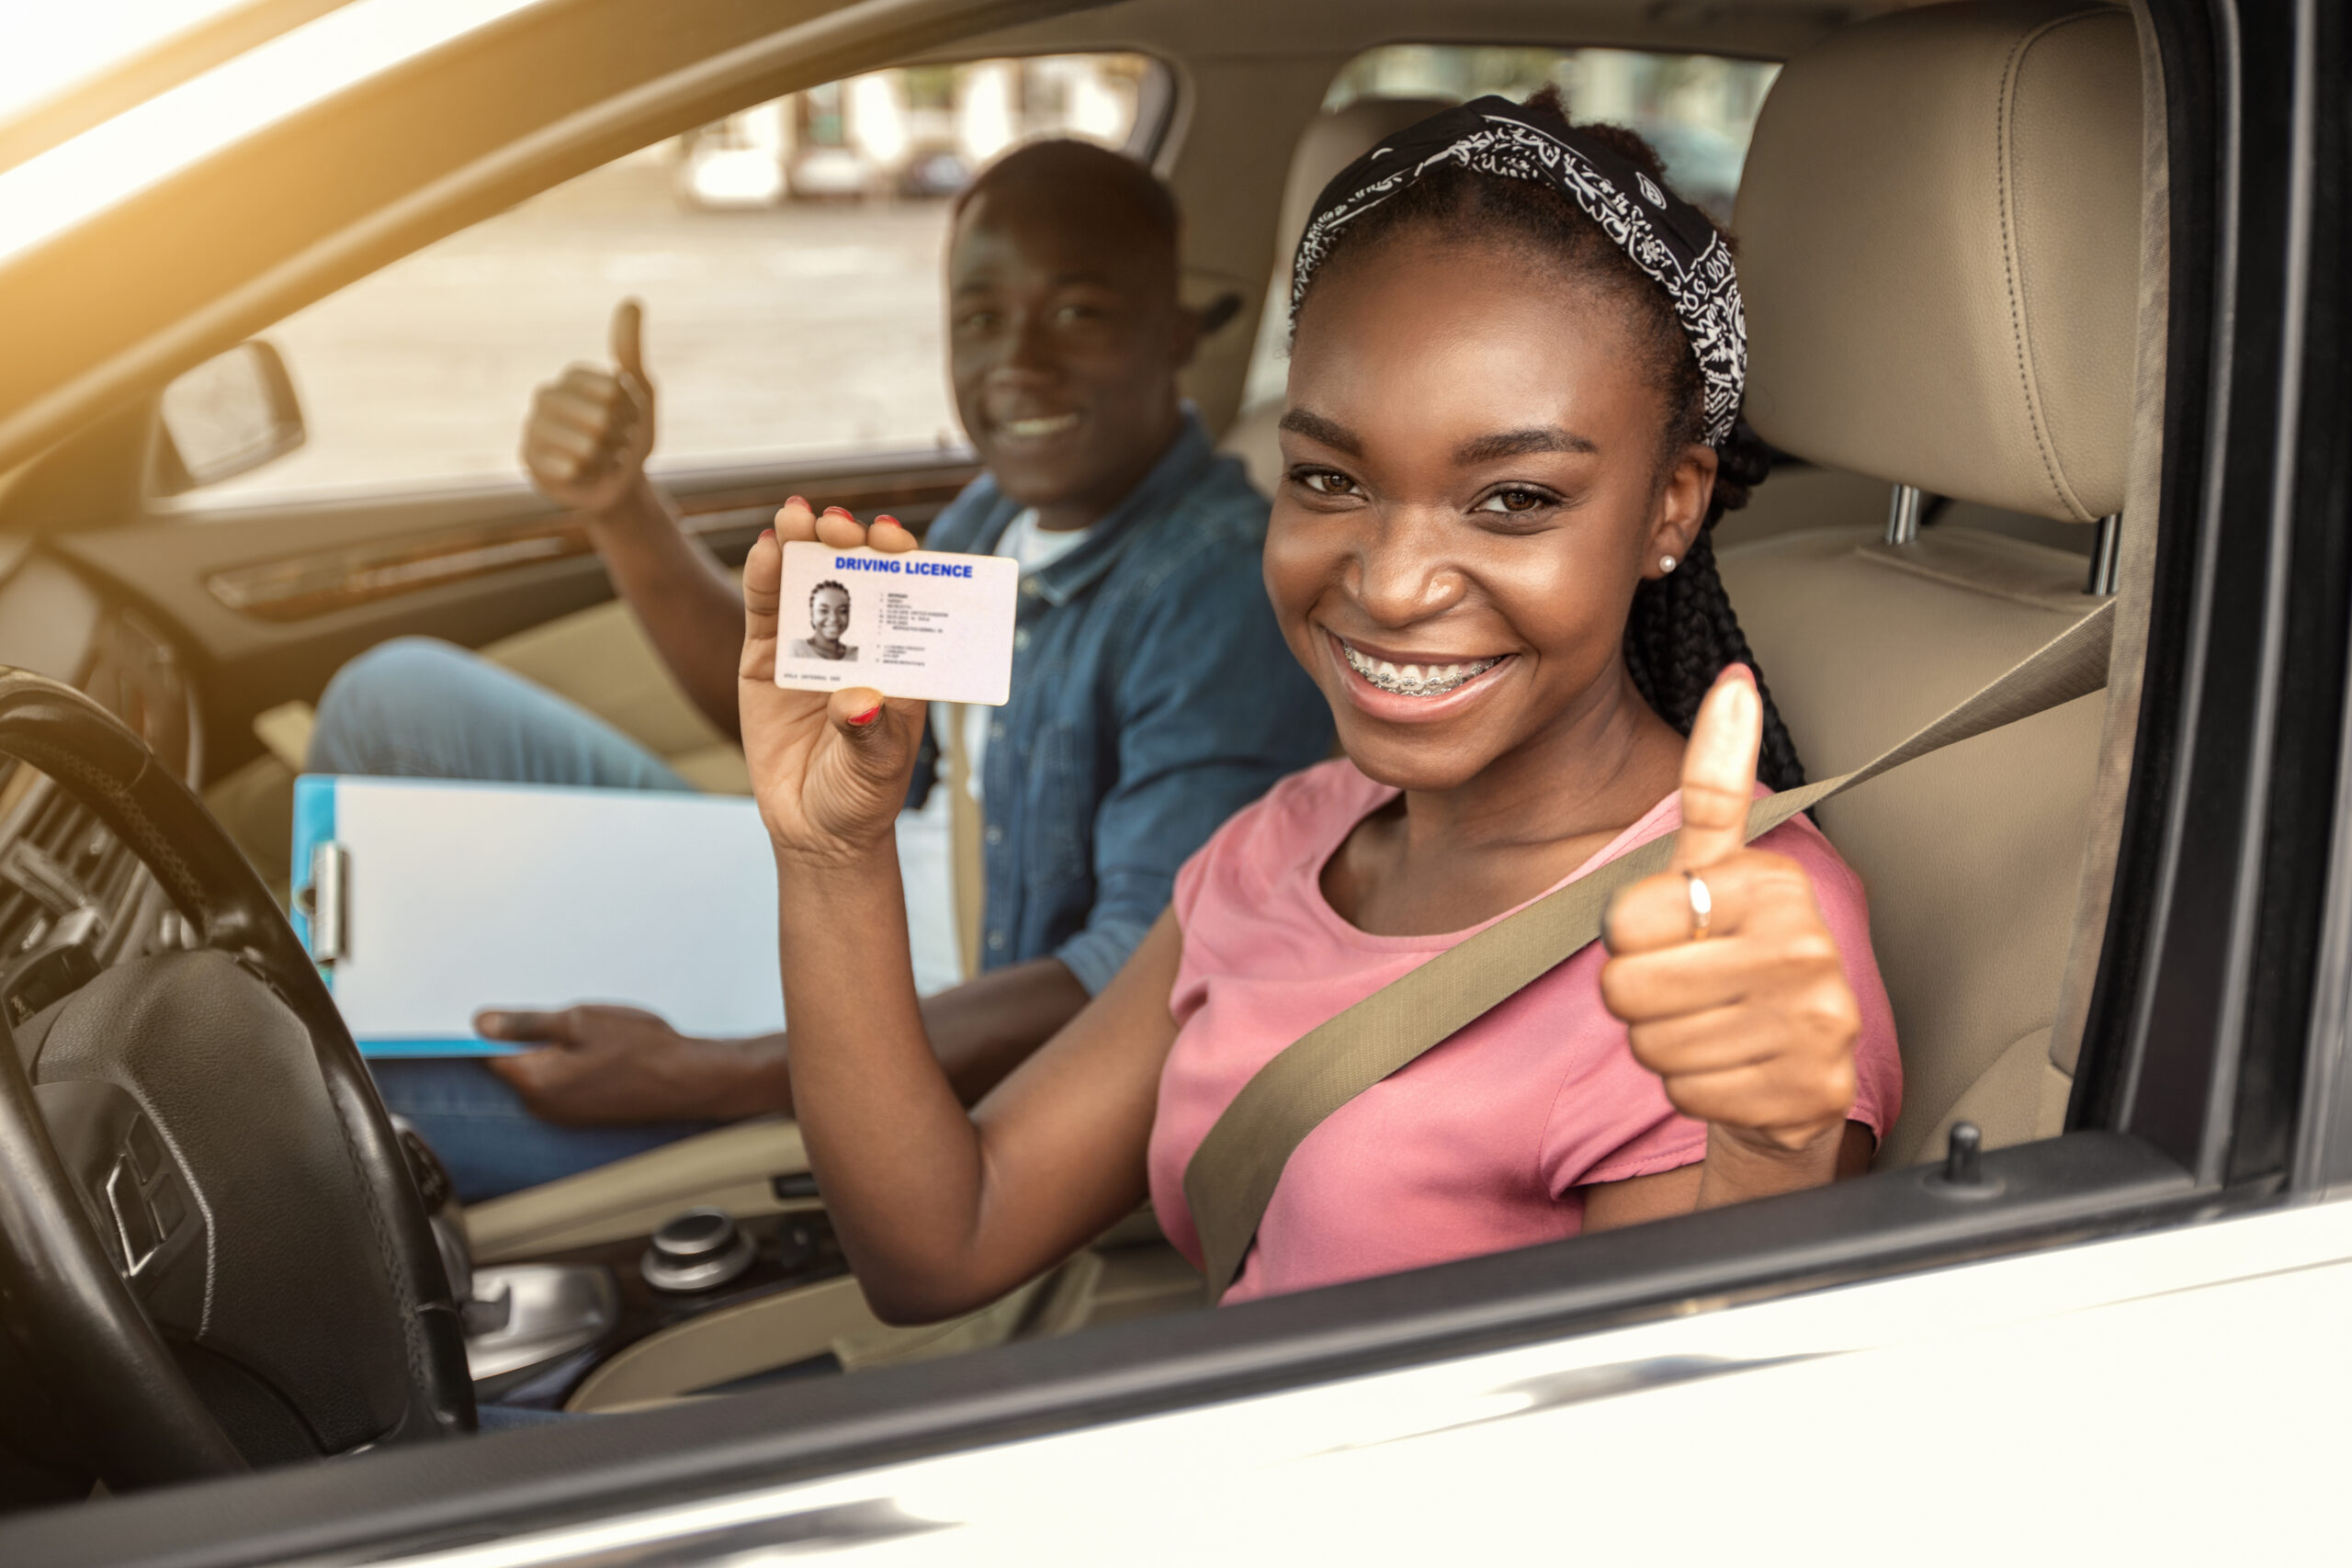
<point x="1681" y="631"/>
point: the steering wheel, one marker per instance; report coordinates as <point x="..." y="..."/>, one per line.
<point x="213" y="1253"/>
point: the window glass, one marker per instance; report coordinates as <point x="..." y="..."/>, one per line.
<point x="1698" y="110"/>
<point x="788" y="257"/>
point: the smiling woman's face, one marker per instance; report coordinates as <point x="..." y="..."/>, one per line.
<point x="1473" y="490"/>
<point x="829" y="615"/>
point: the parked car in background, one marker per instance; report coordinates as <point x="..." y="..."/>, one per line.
<point x="912" y="133"/>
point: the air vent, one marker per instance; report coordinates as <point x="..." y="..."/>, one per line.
<point x="63" y="875"/>
<point x="57" y="861"/>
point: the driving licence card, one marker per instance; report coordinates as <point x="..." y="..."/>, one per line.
<point x="923" y="624"/>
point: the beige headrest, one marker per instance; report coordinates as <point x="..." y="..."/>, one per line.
<point x="1940" y="249"/>
<point x="1330" y="142"/>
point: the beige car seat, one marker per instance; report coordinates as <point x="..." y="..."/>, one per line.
<point x="1332" y="141"/>
<point x="1939" y="224"/>
<point x="1800" y="497"/>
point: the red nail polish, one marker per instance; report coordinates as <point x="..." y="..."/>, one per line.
<point x="869" y="717"/>
<point x="1739" y="672"/>
<point x="839" y="512"/>
<point x="767" y="533"/>
<point x="886" y="517"/>
<point x="797" y="500"/>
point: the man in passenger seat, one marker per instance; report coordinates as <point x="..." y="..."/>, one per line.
<point x="1153" y="694"/>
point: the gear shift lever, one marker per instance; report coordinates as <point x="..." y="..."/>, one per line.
<point x="518" y="1317"/>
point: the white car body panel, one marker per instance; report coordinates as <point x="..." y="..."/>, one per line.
<point x="2037" y="1404"/>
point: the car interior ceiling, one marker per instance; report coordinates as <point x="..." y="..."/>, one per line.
<point x="1987" y="866"/>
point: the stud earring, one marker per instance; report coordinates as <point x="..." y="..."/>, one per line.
<point x="1665" y="563"/>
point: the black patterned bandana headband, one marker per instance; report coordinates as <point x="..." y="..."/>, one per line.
<point x="1665" y="236"/>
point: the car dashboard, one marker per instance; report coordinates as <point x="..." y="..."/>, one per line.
<point x="65" y="880"/>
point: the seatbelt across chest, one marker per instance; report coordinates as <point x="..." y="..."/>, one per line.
<point x="1232" y="1175"/>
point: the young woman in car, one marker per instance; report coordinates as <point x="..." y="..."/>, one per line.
<point x="1517" y="363"/>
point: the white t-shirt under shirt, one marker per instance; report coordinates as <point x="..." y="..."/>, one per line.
<point x="926" y="854"/>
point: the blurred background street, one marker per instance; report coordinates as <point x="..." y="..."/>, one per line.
<point x="807" y="326"/>
<point x="790" y="256"/>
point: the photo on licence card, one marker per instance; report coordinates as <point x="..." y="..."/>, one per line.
<point x="923" y="624"/>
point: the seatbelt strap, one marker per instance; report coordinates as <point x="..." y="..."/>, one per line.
<point x="1232" y="1176"/>
<point x="967" y="867"/>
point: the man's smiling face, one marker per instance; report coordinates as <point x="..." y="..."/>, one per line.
<point x="1065" y="340"/>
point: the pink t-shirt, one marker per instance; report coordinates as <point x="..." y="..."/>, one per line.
<point x="1485" y="1141"/>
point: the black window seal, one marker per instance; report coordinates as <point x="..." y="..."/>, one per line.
<point x="2201" y="1023"/>
<point x="2324" y="1142"/>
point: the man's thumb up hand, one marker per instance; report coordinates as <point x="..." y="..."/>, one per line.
<point x="591" y="430"/>
<point x="628" y="340"/>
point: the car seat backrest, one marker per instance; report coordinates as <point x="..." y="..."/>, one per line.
<point x="1938" y="233"/>
<point x="1332" y="141"/>
<point x="1939" y="227"/>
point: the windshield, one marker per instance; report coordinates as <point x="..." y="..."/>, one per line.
<point x="91" y="170"/>
<point x="63" y="70"/>
<point x="50" y="52"/>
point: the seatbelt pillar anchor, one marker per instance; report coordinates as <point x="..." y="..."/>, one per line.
<point x="2107" y="558"/>
<point x="1902" y="511"/>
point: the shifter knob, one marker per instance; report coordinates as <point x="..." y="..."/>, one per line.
<point x="698" y="1250"/>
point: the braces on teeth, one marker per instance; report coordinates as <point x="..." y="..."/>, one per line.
<point x="1414" y="680"/>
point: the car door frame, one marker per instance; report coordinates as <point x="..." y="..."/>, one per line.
<point x="2228" y="925"/>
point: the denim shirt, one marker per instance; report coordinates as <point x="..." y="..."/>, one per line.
<point x="1153" y="696"/>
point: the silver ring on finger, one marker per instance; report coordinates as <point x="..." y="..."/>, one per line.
<point x="1703" y="905"/>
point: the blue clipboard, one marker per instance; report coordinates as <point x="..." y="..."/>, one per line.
<point x="426" y="901"/>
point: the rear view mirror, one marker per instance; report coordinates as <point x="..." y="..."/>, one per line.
<point x="228" y="416"/>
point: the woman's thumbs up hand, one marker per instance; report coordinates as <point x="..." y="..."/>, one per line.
<point x="1728" y="981"/>
<point x="590" y="430"/>
<point x="1719" y="771"/>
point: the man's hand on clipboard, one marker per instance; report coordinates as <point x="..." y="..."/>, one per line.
<point x="599" y="1065"/>
<point x="829" y="770"/>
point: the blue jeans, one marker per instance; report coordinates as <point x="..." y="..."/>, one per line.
<point x="417" y="708"/>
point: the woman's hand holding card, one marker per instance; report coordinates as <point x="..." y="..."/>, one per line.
<point x="830" y="769"/>
<point x="1724" y="970"/>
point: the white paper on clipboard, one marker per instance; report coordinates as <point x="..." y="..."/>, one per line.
<point x="457" y="896"/>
